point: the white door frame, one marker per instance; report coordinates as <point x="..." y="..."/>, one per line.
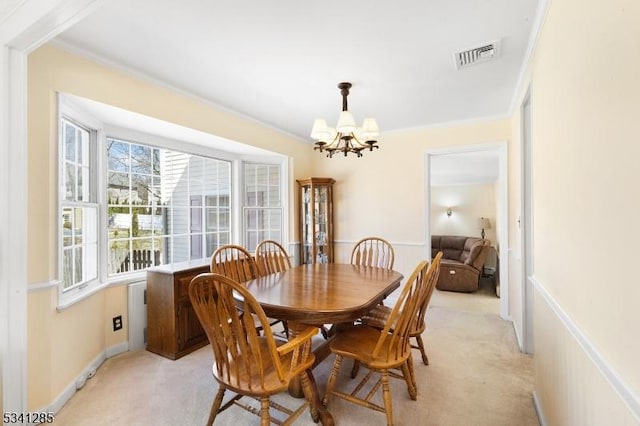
<point x="502" y="223"/>
<point x="24" y="26"/>
<point x="526" y="223"/>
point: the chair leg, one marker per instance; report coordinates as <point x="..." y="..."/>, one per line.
<point x="332" y="379"/>
<point x="311" y="398"/>
<point x="386" y="396"/>
<point x="355" y="369"/>
<point x="425" y="359"/>
<point x="217" y="402"/>
<point x="409" y="377"/>
<point x="265" y="419"/>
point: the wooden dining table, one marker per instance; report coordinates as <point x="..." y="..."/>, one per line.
<point x="319" y="294"/>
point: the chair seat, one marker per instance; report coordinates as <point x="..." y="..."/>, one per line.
<point x="378" y="316"/>
<point x="253" y="381"/>
<point x="359" y="342"/>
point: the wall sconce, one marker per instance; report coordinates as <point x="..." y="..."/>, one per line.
<point x="449" y="211"/>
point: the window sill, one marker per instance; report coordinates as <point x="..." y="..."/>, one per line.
<point x="66" y="300"/>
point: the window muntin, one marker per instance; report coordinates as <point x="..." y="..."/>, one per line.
<point x="262" y="204"/>
<point x="164" y="206"/>
<point x="79" y="212"/>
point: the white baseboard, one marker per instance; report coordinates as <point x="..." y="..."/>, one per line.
<point x="86" y="374"/>
<point x="518" y="337"/>
<point x="118" y="349"/>
<point x="539" y="411"/>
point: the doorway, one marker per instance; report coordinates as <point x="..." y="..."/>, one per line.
<point x="492" y="160"/>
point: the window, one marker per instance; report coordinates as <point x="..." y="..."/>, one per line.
<point x="262" y="204"/>
<point x="130" y="200"/>
<point x="164" y="206"/>
<point x="79" y="211"/>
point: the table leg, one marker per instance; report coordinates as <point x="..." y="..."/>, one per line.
<point x="295" y="386"/>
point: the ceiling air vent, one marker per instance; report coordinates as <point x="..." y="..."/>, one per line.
<point x="477" y="55"/>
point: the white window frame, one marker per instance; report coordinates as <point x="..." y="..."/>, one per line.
<point x="67" y="110"/>
<point x="78" y="114"/>
<point x="281" y="207"/>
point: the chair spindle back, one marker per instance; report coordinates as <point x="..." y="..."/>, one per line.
<point x="234" y="262"/>
<point x="373" y="251"/>
<point x="394" y="338"/>
<point x="230" y="327"/>
<point x="271" y="257"/>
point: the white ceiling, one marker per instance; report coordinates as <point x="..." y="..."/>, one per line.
<point x="279" y="62"/>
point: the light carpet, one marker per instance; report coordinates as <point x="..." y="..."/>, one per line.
<point x="477" y="376"/>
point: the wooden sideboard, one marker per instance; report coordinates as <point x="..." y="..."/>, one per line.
<point x="173" y="329"/>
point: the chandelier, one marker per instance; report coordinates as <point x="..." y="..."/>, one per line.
<point x="346" y="137"/>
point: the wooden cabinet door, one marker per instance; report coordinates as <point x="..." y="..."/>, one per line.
<point x="190" y="332"/>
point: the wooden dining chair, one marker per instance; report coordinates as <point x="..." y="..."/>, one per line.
<point x="378" y="316"/>
<point x="373" y="251"/>
<point x="272" y="257"/>
<point x="382" y="350"/>
<point x="234" y="262"/>
<point x="237" y="263"/>
<point x="245" y="362"/>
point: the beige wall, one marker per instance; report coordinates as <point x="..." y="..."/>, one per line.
<point x="62" y="344"/>
<point x="585" y="125"/>
<point x="468" y="203"/>
<point x="383" y="193"/>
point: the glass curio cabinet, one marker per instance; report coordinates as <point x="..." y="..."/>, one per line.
<point x="316" y="220"/>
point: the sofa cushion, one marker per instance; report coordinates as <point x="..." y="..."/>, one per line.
<point x="452" y="246"/>
<point x="474" y="250"/>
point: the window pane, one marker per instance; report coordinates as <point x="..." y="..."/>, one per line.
<point x="180" y="249"/>
<point x="77" y="265"/>
<point x="119" y="222"/>
<point x="196" y="246"/>
<point x="141" y="159"/>
<point x="156" y="161"/>
<point x="223" y="220"/>
<point x="140" y="189"/>
<point x="67" y="268"/>
<point x="159" y="220"/>
<point x="252" y="240"/>
<point x="119" y="258"/>
<point x="90" y="262"/>
<point x="179" y="220"/>
<point x="70" y="182"/>
<point x="164" y="194"/>
<point x="77" y="226"/>
<point x="118" y="155"/>
<point x="211" y="218"/>
<point x="156" y="192"/>
<point x="262" y="202"/>
<point x="118" y="188"/>
<point x="67" y="227"/>
<point x="69" y="142"/>
<point x="274" y="196"/>
<point x="211" y="244"/>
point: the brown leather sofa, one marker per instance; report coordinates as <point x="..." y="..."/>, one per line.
<point x="462" y="261"/>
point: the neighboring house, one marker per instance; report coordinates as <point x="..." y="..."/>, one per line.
<point x="582" y="81"/>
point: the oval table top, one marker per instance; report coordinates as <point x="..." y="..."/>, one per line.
<point x="318" y="294"/>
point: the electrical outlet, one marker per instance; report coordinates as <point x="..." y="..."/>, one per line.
<point x="117" y="323"/>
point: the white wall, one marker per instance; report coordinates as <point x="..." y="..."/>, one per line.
<point x="468" y="203"/>
<point x="585" y="126"/>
